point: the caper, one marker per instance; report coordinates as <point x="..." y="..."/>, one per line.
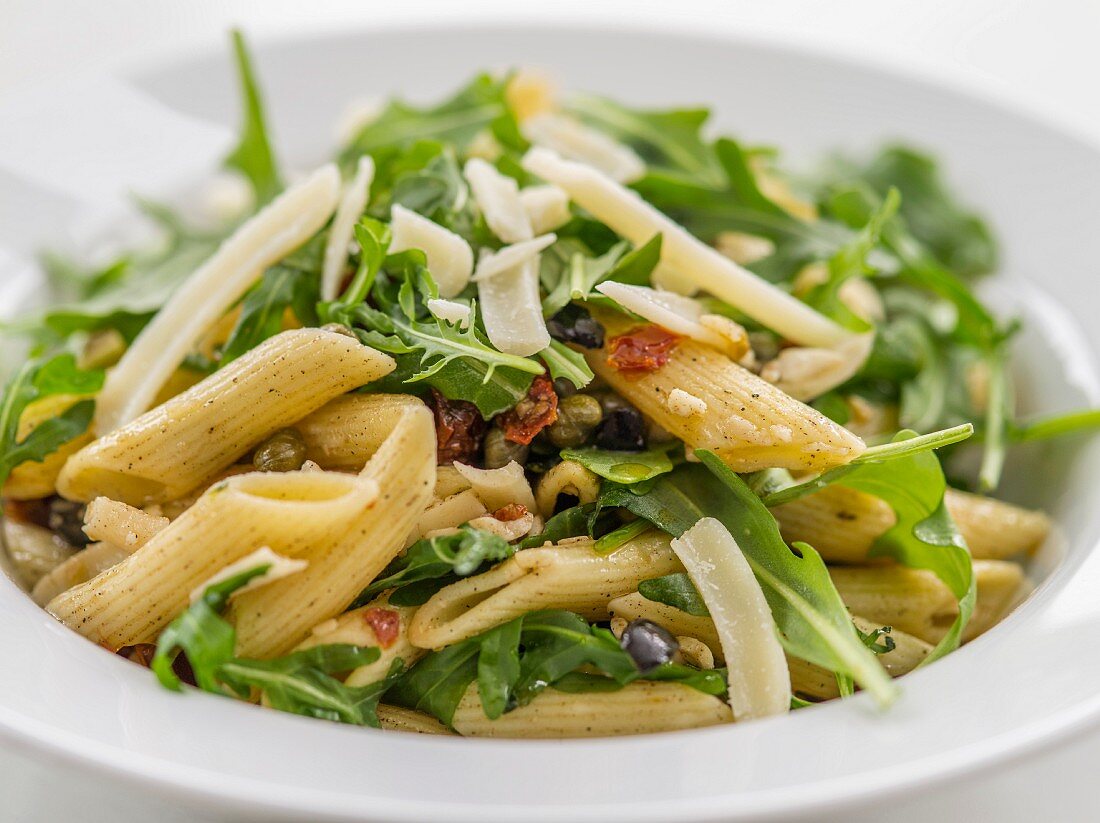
<point x="284" y="451"/>
<point x="577" y="417"/>
<point x="500" y="451"/>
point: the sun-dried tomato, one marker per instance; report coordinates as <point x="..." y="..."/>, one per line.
<point x="385" y="623"/>
<point x="513" y="511"/>
<point x="643" y="349"/>
<point x="533" y="413"/>
<point x="34" y="512"/>
<point x="459" y="429"/>
<point x="140" y="653"/>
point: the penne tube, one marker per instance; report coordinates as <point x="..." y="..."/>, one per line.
<point x="274" y="619"/>
<point x="32" y="480"/>
<point x="642" y="707"/>
<point x="400" y="719"/>
<point x="918" y="603"/>
<point x="80" y="568"/>
<point x="109" y="521"/>
<point x="357" y="628"/>
<point x="567" y="477"/>
<point x="571" y="577"/>
<point x="448" y="513"/>
<point x="265" y="239"/>
<point x="177" y="446"/>
<point x="288" y="512"/>
<point x="842" y="524"/>
<point x="749" y="423"/>
<point x="34" y="551"/>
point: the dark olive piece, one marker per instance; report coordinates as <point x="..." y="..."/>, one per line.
<point x="574" y="324"/>
<point x="648" y="644"/>
<point x="66" y="519"/>
<point x="284" y="451"/>
<point x="622" y="429"/>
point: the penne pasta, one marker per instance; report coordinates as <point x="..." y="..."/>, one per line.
<point x="571" y="577"/>
<point x="177" y="446"/>
<point x="274" y="619"/>
<point x="749" y="423"/>
<point x="400" y="719"/>
<point x="568" y="477"/>
<point x="641" y="707"/>
<point x="447" y="514"/>
<point x="34" y="551"/>
<point x="110" y="521"/>
<point x="843" y="523"/>
<point x="80" y="568"/>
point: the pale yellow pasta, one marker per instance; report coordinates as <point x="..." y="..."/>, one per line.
<point x="917" y="602"/>
<point x="175" y="447"/>
<point x="288" y="512"/>
<point x="571" y="577"/>
<point x="568" y="477"/>
<point x="642" y="707"/>
<point x="749" y="423"/>
<point x="80" y="568"/>
<point x="448" y="481"/>
<point x="33" y="550"/>
<point x="32" y="480"/>
<point x="399" y="719"/>
<point x="174" y="508"/>
<point x="274" y="619"/>
<point x="842" y="523"/>
<point x="355" y="628"/>
<point x="499" y="487"/>
<point x="447" y="513"/>
<point x="110" y="521"/>
<point x="806" y="678"/>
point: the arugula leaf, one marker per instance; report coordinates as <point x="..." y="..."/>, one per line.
<point x="812" y="618"/>
<point x="957" y="237"/>
<point x="622" y="466"/>
<point x="565" y="364"/>
<point x="452" y="555"/>
<point x="1056" y="425"/>
<point x="670" y="141"/>
<point x="35" y="380"/>
<point x="570" y="271"/>
<point x="675" y="590"/>
<point x="571" y="522"/>
<point x="253" y="156"/>
<point x="458" y="120"/>
<point x="620" y="536"/>
<point x="924" y="536"/>
<point x="281" y="287"/>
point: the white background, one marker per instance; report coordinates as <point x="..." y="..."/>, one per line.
<point x="1041" y="56"/>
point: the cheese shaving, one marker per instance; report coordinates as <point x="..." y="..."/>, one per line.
<point x="496" y="488"/>
<point x="343" y="227"/>
<point x="574" y="140"/>
<point x="492" y="264"/>
<point x="547" y="207"/>
<point x="759" y="680"/>
<point x="497" y="195"/>
<point x="278" y="568"/>
<point x="450" y="258"/>
<point x="452" y="311"/>
<point x="673" y="311"/>
<point x="265" y="239"/>
<point x="626" y="213"/>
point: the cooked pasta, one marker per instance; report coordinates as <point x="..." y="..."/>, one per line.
<point x="484" y="429"/>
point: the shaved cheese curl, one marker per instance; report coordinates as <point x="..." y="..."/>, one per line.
<point x="584" y="144"/>
<point x="343" y="227"/>
<point x="450" y="258"/>
<point x="759" y="681"/>
<point x="497" y="196"/>
<point x="625" y="212"/>
<point x="265" y="239"/>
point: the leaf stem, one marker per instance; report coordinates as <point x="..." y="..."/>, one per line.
<point x="924" y="442"/>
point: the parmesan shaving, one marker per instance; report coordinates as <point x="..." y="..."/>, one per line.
<point x="507" y="529"/>
<point x="343" y="227"/>
<point x="511" y="309"/>
<point x="683" y="404"/>
<point x="626" y="213"/>
<point x="673" y="311"/>
<point x="450" y="259"/>
<point x="547" y="207"/>
<point x="452" y="311"/>
<point x="497" y="195"/>
<point x="808" y="373"/>
<point x="493" y="264"/>
<point x="278" y="568"/>
<point x="759" y="681"/>
<point x="496" y="488"/>
<point x="265" y="239"/>
<point x="574" y="140"/>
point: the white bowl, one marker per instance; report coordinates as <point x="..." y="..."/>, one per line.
<point x="1027" y="682"/>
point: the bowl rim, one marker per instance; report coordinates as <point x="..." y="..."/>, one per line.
<point x="239" y="793"/>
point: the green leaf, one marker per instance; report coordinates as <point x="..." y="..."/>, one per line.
<point x="670" y="141"/>
<point x="35" y="380"/>
<point x="620" y="536"/>
<point x="622" y="466"/>
<point x="565" y="364"/>
<point x="572" y="522"/>
<point x="570" y="271"/>
<point x="924" y="536"/>
<point x="498" y="667"/>
<point x="810" y="614"/>
<point x="675" y="590"/>
<point x="1057" y="425"/>
<point x="262" y="311"/>
<point x="458" y="555"/>
<point x="253" y="156"/>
